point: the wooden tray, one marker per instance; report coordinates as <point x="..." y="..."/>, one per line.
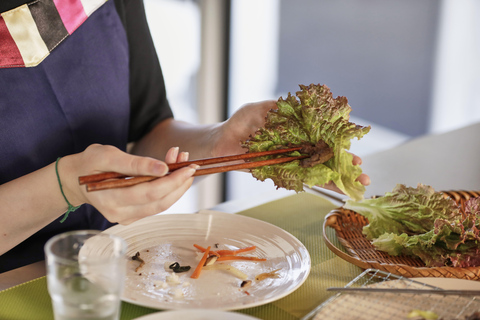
<point x="348" y="227"/>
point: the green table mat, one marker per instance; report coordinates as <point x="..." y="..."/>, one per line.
<point x="302" y="215"/>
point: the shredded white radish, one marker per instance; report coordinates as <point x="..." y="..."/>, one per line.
<point x="234" y="271"/>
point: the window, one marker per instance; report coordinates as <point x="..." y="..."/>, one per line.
<point x="403" y="65"/>
<point x="175" y="28"/>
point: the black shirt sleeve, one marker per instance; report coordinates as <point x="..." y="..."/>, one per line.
<point x="148" y="98"/>
<point x="6" y="5"/>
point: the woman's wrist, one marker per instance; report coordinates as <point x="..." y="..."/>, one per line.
<point x="67" y="175"/>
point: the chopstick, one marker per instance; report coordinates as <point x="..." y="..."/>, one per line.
<point x="109" y="180"/>
<point x="327" y="194"/>
<point x="201" y="162"/>
<point x="414" y="291"/>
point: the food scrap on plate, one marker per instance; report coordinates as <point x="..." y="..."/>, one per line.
<point x="212" y="260"/>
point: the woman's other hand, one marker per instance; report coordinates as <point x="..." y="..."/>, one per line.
<point x="364" y="179"/>
<point x="245" y="122"/>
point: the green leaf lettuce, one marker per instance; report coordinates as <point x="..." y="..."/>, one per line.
<point x="404" y="210"/>
<point x="424" y="223"/>
<point x="307" y="118"/>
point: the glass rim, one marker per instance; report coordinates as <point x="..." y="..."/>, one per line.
<point x="92" y="233"/>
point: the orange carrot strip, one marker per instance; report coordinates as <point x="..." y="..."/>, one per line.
<point x="214" y="253"/>
<point x="198" y="269"/>
<point x="235" y="252"/>
<point x="225" y="258"/>
<point x="226" y="252"/>
<point x="202" y="249"/>
<point x="246" y="249"/>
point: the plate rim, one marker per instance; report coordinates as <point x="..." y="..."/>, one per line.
<point x="153" y="316"/>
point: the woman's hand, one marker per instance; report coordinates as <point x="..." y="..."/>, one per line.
<point x="243" y="123"/>
<point x="363" y="178"/>
<point x="126" y="205"/>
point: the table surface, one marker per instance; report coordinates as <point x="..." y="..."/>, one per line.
<point x="18" y="276"/>
<point x="446" y="161"/>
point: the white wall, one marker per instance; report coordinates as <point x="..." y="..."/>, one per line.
<point x="456" y="90"/>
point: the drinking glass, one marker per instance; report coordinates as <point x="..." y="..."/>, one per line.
<point x="85" y="274"/>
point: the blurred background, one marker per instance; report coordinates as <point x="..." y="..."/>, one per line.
<point x="408" y="67"/>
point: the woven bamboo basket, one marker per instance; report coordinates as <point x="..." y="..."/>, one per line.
<point x="348" y="227"/>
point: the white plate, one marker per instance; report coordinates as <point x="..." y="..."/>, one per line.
<point x="171" y="237"/>
<point x="196" y="314"/>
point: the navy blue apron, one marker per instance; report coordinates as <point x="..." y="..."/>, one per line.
<point x="76" y="96"/>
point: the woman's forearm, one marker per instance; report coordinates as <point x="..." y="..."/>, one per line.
<point x="204" y="141"/>
<point x="198" y="140"/>
<point x="28" y="204"/>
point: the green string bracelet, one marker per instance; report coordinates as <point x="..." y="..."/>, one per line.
<point x="71" y="208"/>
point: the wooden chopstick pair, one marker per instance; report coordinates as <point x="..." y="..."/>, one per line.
<point x="110" y="180"/>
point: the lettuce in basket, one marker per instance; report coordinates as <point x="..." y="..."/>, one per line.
<point x="404" y="210"/>
<point x="424" y="223"/>
<point x="310" y="117"/>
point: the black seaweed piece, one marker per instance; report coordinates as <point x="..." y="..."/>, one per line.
<point x="177" y="268"/>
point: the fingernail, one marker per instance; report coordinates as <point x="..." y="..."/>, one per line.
<point x="191" y="170"/>
<point x="160" y="168"/>
<point x="175" y="152"/>
<point x="184" y="156"/>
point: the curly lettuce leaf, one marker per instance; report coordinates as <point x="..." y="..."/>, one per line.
<point x="310" y="116"/>
<point x="404" y="210"/>
<point x="448" y="244"/>
<point x="423" y="223"/>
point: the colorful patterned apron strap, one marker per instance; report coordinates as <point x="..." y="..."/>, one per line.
<point x="30" y="32"/>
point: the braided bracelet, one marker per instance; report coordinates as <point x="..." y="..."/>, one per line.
<point x="71" y="208"/>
